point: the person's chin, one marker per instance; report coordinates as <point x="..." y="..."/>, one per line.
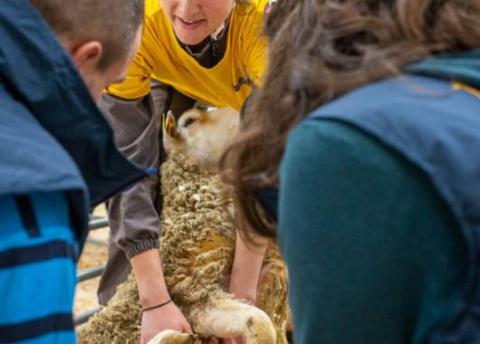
<point x="190" y="38"/>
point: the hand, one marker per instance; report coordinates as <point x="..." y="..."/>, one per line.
<point x="163" y="318"/>
<point x="237" y="340"/>
<point x="243" y="288"/>
<point x="148" y="272"/>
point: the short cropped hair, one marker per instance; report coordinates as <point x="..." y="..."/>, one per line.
<point x="113" y="23"/>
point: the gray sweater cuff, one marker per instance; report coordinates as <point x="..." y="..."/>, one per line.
<point x="141" y="246"/>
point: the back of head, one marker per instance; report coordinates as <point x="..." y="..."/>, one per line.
<point x="322" y="49"/>
<point x="114" y="23"/>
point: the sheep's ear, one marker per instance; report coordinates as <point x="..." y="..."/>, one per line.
<point x="170" y="133"/>
<point x="170" y="125"/>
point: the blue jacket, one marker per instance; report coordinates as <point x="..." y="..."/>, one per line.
<point x="52" y="135"/>
<point x="437" y="129"/>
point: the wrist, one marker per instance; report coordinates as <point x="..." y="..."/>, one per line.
<point x="245" y="278"/>
<point x="151" y="296"/>
<point x="248" y="295"/>
<point x="152" y="289"/>
<point x="160" y="305"/>
<point x="244" y="288"/>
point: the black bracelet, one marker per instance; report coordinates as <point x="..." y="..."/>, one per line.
<point x="156" y="306"/>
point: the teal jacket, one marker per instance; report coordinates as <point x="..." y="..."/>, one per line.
<point x="379" y="211"/>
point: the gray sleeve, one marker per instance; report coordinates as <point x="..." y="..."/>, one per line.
<point x="134" y="213"/>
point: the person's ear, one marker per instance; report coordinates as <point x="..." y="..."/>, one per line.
<point x="87" y="56"/>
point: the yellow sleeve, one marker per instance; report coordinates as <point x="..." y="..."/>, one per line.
<point x="137" y="82"/>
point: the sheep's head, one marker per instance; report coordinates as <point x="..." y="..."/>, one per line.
<point x="201" y="135"/>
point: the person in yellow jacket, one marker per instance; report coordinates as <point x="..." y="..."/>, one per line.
<point x="193" y="51"/>
<point x="174" y="51"/>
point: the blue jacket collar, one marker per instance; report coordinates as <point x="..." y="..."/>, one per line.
<point x="462" y="67"/>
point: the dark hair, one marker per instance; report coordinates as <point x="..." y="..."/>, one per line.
<point x="321" y="49"/>
<point x="114" y="23"/>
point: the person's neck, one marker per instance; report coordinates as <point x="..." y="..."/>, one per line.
<point x="198" y="48"/>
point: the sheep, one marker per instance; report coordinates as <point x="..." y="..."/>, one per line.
<point x="197" y="249"/>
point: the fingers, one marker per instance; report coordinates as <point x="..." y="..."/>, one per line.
<point x="187" y="328"/>
<point x="236" y="340"/>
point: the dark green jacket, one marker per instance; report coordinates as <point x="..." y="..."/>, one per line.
<point x="379" y="213"/>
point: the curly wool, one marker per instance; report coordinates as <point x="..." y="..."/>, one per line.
<point x="197" y="252"/>
<point x="198" y="240"/>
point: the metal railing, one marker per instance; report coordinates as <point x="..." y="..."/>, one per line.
<point x="96" y="222"/>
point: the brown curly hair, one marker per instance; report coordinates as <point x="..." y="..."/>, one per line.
<point x="321" y="49"/>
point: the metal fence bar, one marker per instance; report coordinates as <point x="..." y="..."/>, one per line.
<point x="84" y="316"/>
<point x="95" y="222"/>
<point x="99" y="242"/>
<point x="87" y="274"/>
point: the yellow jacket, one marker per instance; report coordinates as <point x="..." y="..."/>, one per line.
<point x="162" y="58"/>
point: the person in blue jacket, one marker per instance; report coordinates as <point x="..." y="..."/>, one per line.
<point x="57" y="157"/>
<point x="368" y="121"/>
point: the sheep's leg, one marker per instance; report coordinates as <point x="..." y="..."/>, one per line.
<point x="228" y="318"/>
<point x="173" y="337"/>
<point x="272" y="296"/>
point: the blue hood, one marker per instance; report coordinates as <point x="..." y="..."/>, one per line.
<point x="47" y="110"/>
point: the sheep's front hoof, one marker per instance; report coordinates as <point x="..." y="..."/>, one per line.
<point x="173" y="337"/>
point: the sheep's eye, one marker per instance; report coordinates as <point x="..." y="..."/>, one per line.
<point x="188" y="122"/>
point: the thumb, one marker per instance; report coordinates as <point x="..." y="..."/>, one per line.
<point x="187" y="328"/>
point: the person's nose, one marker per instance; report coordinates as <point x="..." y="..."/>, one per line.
<point x="187" y="8"/>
